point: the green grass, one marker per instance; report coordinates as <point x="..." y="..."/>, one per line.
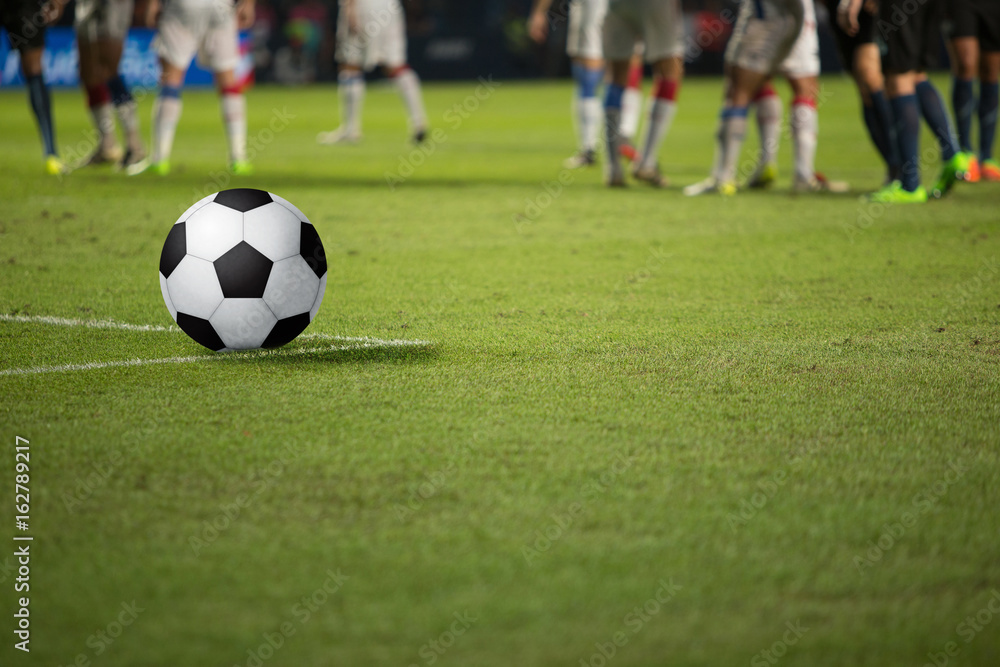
<point x="627" y="371"/>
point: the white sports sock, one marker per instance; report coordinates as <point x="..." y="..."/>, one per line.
<point x="731" y="134"/>
<point x="805" y="130"/>
<point x="104" y="121"/>
<point x="234" y="118"/>
<point x="589" y="112"/>
<point x="631" y="109"/>
<point x="166" y="113"/>
<point x="769" y="112"/>
<point x="661" y="115"/>
<point x="408" y="84"/>
<point x="352" y="96"/>
<point x="129" y="118"/>
<point x="612" y="141"/>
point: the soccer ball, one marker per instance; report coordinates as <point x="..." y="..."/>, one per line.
<point x="243" y="269"/>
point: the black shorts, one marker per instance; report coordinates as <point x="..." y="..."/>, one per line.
<point x="23" y="21"/>
<point x="975" y="18"/>
<point x="846" y="44"/>
<point x="909" y="32"/>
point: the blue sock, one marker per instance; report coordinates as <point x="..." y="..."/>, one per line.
<point x="932" y="108"/>
<point x="170" y="91"/>
<point x="987" y="118"/>
<point x="878" y="118"/>
<point x="587" y="80"/>
<point x="963" y="101"/>
<point x="907" y="115"/>
<point x="613" y="96"/>
<point x="120" y="93"/>
<point x="38" y="95"/>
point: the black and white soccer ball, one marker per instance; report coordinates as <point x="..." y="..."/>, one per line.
<point x="243" y="269"/>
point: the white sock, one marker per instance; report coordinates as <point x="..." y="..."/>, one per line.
<point x="104" y="121"/>
<point x="234" y="118"/>
<point x="731" y="133"/>
<point x="769" y="112"/>
<point x="166" y="113"/>
<point x="805" y="130"/>
<point x="352" y="96"/>
<point x="661" y="115"/>
<point x="129" y="118"/>
<point x="408" y="84"/>
<point x="589" y="112"/>
<point x="631" y="109"/>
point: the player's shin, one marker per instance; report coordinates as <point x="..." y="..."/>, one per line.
<point x="661" y="116"/>
<point x="166" y="114"/>
<point x="769" y="112"/>
<point x="38" y="95"/>
<point x="351" y="88"/>
<point x="731" y="134"/>
<point x="408" y="85"/>
<point x="127" y="111"/>
<point x="234" y="116"/>
<point x="614" y="174"/>
<point x="805" y="131"/>
<point x="988" y="96"/>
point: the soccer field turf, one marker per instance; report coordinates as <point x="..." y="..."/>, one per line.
<point x="679" y="431"/>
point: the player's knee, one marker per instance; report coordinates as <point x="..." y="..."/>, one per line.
<point x="393" y="72"/>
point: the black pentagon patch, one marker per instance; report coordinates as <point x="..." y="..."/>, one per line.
<point x="243" y="272"/>
<point x="201" y="331"/>
<point x="174" y="249"/>
<point x="243" y="199"/>
<point x="311" y="249"/>
<point x="286" y="330"/>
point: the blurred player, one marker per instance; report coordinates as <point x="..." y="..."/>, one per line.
<point x="912" y="47"/>
<point x="25" y="21"/>
<point x="974" y="35"/>
<point x="762" y="41"/>
<point x="801" y="68"/>
<point x="370" y="33"/>
<point x="210" y="29"/>
<point x="586" y="19"/>
<point x="860" y="55"/>
<point x="659" y="26"/>
<point x="101" y="28"/>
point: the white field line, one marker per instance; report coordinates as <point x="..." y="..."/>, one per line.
<point x="90" y="324"/>
<point x="348" y="343"/>
<point x="254" y="354"/>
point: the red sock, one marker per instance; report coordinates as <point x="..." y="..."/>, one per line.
<point x="666" y="89"/>
<point x="98" y="95"/>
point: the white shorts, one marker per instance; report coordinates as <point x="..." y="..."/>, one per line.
<point x="764" y="34"/>
<point x="380" y="39"/>
<point x="586" y="22"/>
<point x="203" y="27"/>
<point x="803" y="61"/>
<point x="102" y="19"/>
<point x="657" y="24"/>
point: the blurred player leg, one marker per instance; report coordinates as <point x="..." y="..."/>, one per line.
<point x="989" y="73"/>
<point x="408" y="85"/>
<point x="233" y="105"/>
<point x="166" y="114"/>
<point x="30" y="48"/>
<point x="128" y="116"/>
<point x="586" y="21"/>
<point x="102" y="114"/>
<point x="660" y="26"/>
<point x="351" y="92"/>
<point x="631" y="108"/>
<point x="662" y="109"/>
<point x="769" y="111"/>
<point x="860" y="54"/>
<point x="989" y="91"/>
<point x="614" y="175"/>
<point x="763" y="38"/>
